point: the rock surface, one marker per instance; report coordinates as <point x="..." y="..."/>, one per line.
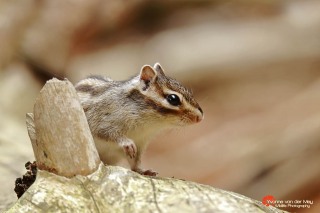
<point x="115" y="189"/>
<point x="253" y="65"/>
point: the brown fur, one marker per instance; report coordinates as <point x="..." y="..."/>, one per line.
<point x="129" y="113"/>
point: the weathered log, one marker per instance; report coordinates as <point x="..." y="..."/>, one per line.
<point x="70" y="180"/>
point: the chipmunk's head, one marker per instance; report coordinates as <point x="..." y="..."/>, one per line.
<point x="167" y="97"/>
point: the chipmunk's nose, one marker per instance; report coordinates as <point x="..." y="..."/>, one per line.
<point x="200" y="115"/>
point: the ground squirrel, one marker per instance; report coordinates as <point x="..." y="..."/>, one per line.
<point x="124" y="115"/>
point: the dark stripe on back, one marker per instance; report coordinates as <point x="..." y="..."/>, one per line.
<point x="92" y="90"/>
<point x="84" y="88"/>
<point x="98" y="91"/>
<point x="98" y="77"/>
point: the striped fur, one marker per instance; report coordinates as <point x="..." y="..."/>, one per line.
<point x="134" y="110"/>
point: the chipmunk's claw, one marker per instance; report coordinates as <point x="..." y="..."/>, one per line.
<point x="148" y="172"/>
<point x="130" y="149"/>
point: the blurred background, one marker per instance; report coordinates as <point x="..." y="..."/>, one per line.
<point x="254" y="67"/>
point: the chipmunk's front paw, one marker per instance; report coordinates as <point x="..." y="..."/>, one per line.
<point x="147" y="172"/>
<point x="129" y="148"/>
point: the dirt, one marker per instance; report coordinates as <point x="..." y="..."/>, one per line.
<point x="22" y="184"/>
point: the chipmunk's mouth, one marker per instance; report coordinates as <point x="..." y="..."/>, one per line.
<point x="197" y="116"/>
<point x="188" y="118"/>
<point x="192" y="118"/>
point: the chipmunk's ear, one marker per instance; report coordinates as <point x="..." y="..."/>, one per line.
<point x="147" y="75"/>
<point x="158" y="68"/>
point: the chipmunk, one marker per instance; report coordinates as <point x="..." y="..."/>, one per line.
<point x="124" y="115"/>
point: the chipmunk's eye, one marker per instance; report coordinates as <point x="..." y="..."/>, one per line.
<point x="173" y="100"/>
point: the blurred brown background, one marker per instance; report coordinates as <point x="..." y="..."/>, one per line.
<point x="254" y="66"/>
